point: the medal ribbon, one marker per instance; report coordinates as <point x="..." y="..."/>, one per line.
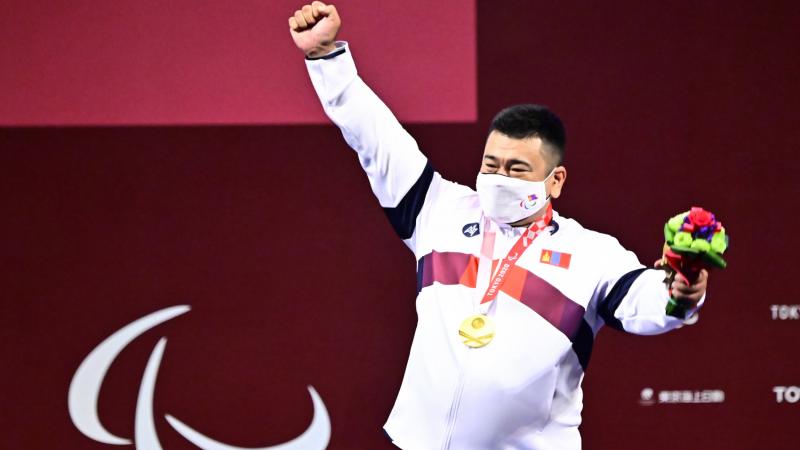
<point x="510" y="260"/>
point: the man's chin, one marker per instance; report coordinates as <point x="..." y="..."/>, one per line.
<point x="524" y="222"/>
<point x="530" y="219"/>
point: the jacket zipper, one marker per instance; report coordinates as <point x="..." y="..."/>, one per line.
<point x="452" y="415"/>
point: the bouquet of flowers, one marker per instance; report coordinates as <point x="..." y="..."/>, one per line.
<point x="695" y="240"/>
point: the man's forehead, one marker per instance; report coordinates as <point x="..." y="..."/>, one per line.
<point x="500" y="145"/>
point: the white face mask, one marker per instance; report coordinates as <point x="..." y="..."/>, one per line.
<point x="509" y="200"/>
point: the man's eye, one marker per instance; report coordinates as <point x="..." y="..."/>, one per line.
<point x="519" y="169"/>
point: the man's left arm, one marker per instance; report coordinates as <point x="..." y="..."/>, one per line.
<point x="633" y="298"/>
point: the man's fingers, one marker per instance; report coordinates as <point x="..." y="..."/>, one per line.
<point x="683" y="289"/>
<point x="325" y="10"/>
<point x="308" y="15"/>
<point x="687" y="293"/>
<point x="316" y="7"/>
<point x="693" y="293"/>
<point x="702" y="279"/>
<point x="703" y="276"/>
<point x="301" y="21"/>
<point x="293" y="24"/>
<point x="681" y="286"/>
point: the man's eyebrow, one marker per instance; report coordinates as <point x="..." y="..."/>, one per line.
<point x="511" y="162"/>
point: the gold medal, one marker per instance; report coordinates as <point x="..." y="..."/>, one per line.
<point x="476" y="331"/>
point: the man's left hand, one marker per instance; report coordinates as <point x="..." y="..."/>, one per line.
<point x="682" y="291"/>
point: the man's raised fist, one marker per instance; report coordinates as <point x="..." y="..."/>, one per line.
<point x="314" y="28"/>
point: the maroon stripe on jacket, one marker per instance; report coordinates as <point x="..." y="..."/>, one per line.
<point x="444" y="268"/>
<point x="552" y="305"/>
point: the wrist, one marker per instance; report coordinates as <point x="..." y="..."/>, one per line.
<point x="321" y="50"/>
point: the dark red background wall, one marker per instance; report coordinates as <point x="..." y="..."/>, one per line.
<point x="270" y="233"/>
<point x="167" y="62"/>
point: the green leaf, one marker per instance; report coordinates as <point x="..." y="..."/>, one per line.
<point x="669" y="235"/>
<point x="715" y="259"/>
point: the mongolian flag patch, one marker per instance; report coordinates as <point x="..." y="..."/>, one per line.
<point x="555" y="258"/>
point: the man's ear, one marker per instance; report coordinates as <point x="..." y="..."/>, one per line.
<point x="557" y="181"/>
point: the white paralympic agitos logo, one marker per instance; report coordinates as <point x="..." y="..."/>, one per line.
<point x="85" y="389"/>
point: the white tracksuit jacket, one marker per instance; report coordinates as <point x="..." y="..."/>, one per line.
<point x="523" y="390"/>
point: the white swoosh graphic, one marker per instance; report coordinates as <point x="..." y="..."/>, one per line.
<point x="84" y="391"/>
<point x="145" y="426"/>
<point x="85" y="386"/>
<point x="316" y="436"/>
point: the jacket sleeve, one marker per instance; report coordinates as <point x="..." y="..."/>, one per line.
<point x="400" y="176"/>
<point x="631" y="297"/>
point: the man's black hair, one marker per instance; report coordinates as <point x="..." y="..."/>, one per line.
<point x="528" y="120"/>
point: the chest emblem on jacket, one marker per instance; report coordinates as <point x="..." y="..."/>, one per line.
<point x="557" y="259"/>
<point x="471" y="229"/>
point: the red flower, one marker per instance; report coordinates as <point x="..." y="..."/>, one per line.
<point x="700" y="217"/>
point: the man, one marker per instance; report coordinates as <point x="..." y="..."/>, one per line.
<point x="511" y="294"/>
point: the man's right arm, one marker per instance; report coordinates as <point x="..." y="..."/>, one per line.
<point x="398" y="172"/>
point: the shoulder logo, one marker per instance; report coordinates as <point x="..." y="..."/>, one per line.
<point x="471" y="229"/>
<point x="557" y="259"/>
